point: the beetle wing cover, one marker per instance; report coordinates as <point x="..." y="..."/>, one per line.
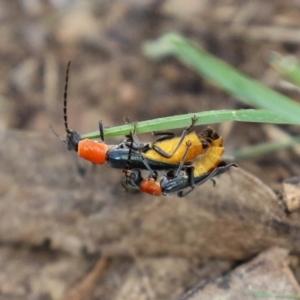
<point x="169" y="146"/>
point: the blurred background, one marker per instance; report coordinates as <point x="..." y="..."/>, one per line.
<point x="53" y="219"/>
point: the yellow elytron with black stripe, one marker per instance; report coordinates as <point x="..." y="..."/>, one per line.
<point x="166" y="152"/>
<point x="176" y="147"/>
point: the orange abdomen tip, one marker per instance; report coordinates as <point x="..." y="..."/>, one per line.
<point x="152" y="187"/>
<point x="92" y="151"/>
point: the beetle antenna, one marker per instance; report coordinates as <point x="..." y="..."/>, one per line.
<point x="65" y="97"/>
<point x="56" y="134"/>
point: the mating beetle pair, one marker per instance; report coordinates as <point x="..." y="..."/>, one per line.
<point x="167" y="152"/>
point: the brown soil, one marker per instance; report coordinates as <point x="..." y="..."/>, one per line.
<point x="111" y="79"/>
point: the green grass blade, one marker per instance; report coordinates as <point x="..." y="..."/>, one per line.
<point x="262" y="149"/>
<point x="288" y="66"/>
<point x="225" y="76"/>
<point x="208" y="117"/>
<point x="262" y="294"/>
